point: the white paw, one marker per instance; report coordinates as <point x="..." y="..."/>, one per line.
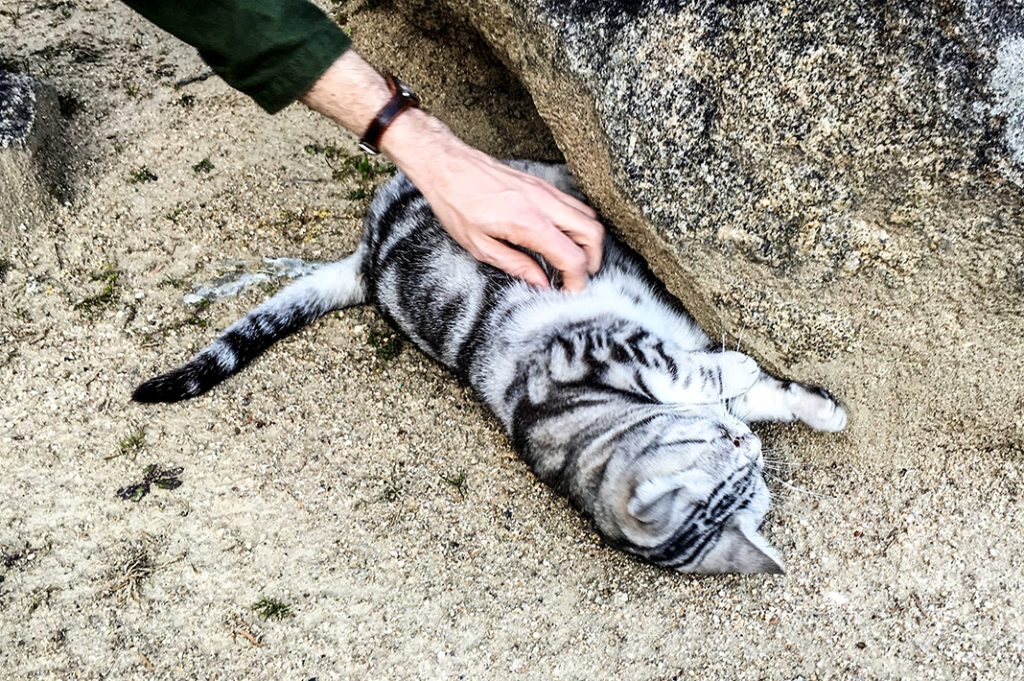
<point x="739" y="373"/>
<point x="817" y="408"/>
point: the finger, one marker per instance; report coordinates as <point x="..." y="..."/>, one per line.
<point x="513" y="262"/>
<point x="539" y="234"/>
<point x="590" y="237"/>
<point x="583" y="230"/>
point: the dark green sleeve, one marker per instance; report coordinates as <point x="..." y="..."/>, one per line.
<point x="272" y="50"/>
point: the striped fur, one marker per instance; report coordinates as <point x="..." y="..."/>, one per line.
<point x="330" y="287"/>
<point x="614" y="396"/>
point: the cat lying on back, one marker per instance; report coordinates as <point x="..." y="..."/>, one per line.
<point x="614" y="396"/>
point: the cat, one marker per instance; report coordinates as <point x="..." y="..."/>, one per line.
<point x="614" y="396"/>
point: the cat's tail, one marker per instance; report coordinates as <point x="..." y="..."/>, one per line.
<point x="331" y="287"/>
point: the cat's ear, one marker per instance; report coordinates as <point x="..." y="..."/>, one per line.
<point x="739" y="550"/>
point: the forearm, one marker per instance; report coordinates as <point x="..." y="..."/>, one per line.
<point x="351" y="93"/>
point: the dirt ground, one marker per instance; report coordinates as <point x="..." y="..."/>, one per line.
<point x="346" y="512"/>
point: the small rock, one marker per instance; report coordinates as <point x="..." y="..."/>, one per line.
<point x="30" y="170"/>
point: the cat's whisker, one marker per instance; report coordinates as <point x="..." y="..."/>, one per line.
<point x="781" y="463"/>
<point x="721" y="325"/>
<point x="739" y="338"/>
<point x="782" y="460"/>
<point x="778" y="458"/>
<point x="795" y="488"/>
<point x="775" y="456"/>
<point x="768" y="455"/>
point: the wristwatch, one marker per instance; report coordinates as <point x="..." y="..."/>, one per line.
<point x="402" y="99"/>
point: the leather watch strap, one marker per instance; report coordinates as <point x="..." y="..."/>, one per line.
<point x="402" y="99"/>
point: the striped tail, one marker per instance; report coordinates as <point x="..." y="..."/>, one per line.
<point x="330" y="287"/>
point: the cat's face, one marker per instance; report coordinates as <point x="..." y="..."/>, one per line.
<point x="697" y="498"/>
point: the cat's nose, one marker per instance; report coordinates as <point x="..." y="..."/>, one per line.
<point x="740" y="439"/>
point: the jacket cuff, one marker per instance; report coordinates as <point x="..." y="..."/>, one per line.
<point x="296" y="74"/>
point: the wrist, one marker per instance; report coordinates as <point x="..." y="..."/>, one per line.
<point x="331" y="95"/>
<point x="420" y="144"/>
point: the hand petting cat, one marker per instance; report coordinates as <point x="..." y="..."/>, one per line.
<point x="484" y="205"/>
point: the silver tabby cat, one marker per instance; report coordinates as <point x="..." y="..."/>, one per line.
<point x="614" y="396"/>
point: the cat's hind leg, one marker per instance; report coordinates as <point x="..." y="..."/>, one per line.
<point x="770" y="399"/>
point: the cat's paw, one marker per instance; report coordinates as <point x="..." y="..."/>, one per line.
<point x="815" y="407"/>
<point x="739" y="373"/>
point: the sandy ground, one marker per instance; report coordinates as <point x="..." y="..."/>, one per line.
<point x="373" y="495"/>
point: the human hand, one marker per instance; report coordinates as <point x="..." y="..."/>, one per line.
<point x="486" y="205"/>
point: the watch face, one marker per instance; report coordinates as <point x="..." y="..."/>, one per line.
<point x="406" y="91"/>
